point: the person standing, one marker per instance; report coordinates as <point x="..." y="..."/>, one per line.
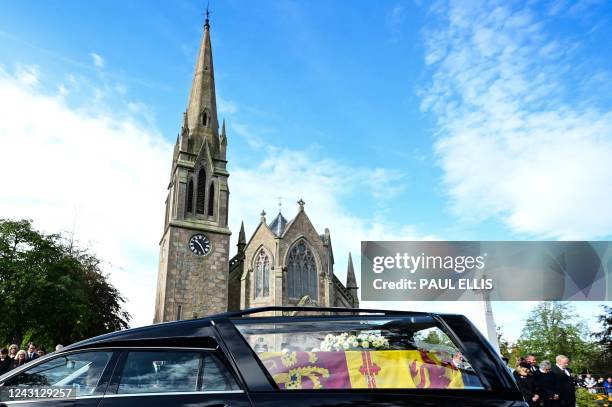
<point x="608" y="386"/>
<point x="565" y="383"/>
<point x="5" y="361"/>
<point x="532" y="360"/>
<point x="31" y="355"/>
<point x="19" y="360"/>
<point x="526" y="383"/>
<point x="546" y="384"/>
<point x="13" y="349"/>
<point x="590" y="383"/>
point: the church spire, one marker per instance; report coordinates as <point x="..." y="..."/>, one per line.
<point x="351" y="281"/>
<point x="202" y="105"/>
<point x="241" y="238"/>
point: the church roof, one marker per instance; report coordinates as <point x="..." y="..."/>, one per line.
<point x="278" y="225"/>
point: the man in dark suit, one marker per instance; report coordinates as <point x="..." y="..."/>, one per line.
<point x="532" y="360"/>
<point x="31" y="353"/>
<point x="565" y="383"/>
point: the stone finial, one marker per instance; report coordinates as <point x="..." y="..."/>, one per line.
<point x="301" y="203"/>
<point x="263" y="216"/>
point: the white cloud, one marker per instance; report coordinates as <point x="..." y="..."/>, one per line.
<point x="27" y="75"/>
<point x="66" y="165"/>
<point x="226" y="107"/>
<point x="61" y="166"/>
<point x="510" y="144"/>
<point x="395" y="18"/>
<point x="97" y="60"/>
<point x="325" y="185"/>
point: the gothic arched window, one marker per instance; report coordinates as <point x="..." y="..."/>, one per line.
<point x="200" y="202"/>
<point x="211" y="199"/>
<point x="205" y="118"/>
<point x="262" y="274"/>
<point x="190" y="196"/>
<point x="301" y="272"/>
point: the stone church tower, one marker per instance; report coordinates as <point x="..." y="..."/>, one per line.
<point x="283" y="263"/>
<point x="194" y="249"/>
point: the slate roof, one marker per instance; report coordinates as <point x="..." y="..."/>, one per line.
<point x="278" y="225"/>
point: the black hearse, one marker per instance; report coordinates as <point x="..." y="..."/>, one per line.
<point x="274" y="356"/>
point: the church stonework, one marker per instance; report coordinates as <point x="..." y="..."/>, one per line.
<point x="284" y="262"/>
<point x="288" y="263"/>
<point x="194" y="249"/>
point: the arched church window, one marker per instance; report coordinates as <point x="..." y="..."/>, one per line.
<point x="211" y="199"/>
<point x="190" y="196"/>
<point x="262" y="274"/>
<point x="200" y="202"/>
<point x="301" y="272"/>
<point x="205" y="118"/>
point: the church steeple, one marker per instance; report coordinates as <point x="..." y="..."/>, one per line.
<point x="202" y="105"/>
<point x="196" y="207"/>
<point x="351" y="283"/>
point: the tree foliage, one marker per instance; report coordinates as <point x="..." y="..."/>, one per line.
<point x="553" y="328"/>
<point x="604" y="341"/>
<point x="52" y="292"/>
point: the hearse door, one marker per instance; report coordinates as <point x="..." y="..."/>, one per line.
<point x="71" y="379"/>
<point x="178" y="377"/>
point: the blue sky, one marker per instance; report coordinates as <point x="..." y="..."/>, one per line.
<point x="392" y="119"/>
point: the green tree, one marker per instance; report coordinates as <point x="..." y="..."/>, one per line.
<point x="603" y="364"/>
<point x="553" y="328"/>
<point x="52" y="292"/>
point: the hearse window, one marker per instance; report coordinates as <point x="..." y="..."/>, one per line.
<point x="81" y="371"/>
<point x="174" y="371"/>
<point x="359" y="354"/>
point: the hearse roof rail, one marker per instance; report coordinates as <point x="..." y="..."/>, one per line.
<point x="288" y="309"/>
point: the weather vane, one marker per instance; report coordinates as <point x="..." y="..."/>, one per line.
<point x="280" y="204"/>
<point x="207" y="14"/>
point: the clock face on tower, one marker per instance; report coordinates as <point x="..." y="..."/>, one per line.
<point x="200" y="245"/>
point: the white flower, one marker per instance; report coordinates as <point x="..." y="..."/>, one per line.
<point x="365" y="344"/>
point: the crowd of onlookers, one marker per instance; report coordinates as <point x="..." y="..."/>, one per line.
<point x="554" y="385"/>
<point x="14" y="357"/>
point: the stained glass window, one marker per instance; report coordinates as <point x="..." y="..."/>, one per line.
<point x="301" y="272"/>
<point x="262" y="275"/>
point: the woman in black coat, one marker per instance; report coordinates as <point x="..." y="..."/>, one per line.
<point x="20" y="359"/>
<point x="526" y="383"/>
